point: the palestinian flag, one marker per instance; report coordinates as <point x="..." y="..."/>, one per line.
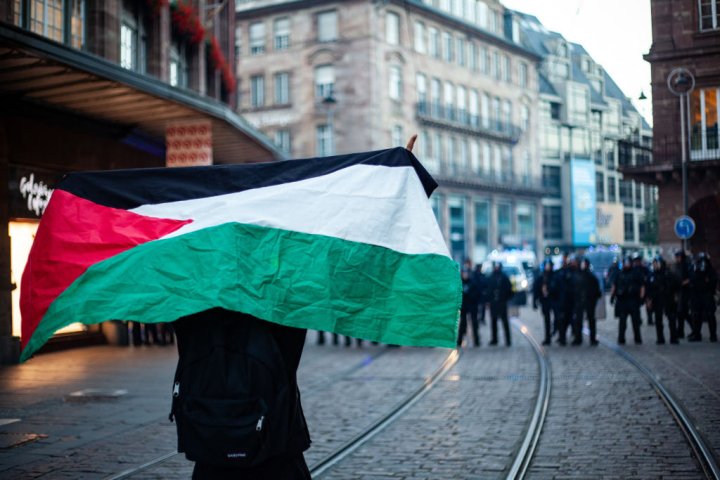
<point x="347" y="244"/>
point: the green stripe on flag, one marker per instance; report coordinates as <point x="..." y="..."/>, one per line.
<point x="290" y="278"/>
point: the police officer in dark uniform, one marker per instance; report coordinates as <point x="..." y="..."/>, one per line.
<point x="542" y="290"/>
<point x="627" y="291"/>
<point x="586" y="294"/>
<point x="470" y="298"/>
<point x="703" y="282"/>
<point x="500" y="292"/>
<point x="663" y="288"/>
<point x="640" y="267"/>
<point x="567" y="300"/>
<point x="682" y="271"/>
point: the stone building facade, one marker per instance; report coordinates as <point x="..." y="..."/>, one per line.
<point x="685" y="55"/>
<point x="325" y="77"/>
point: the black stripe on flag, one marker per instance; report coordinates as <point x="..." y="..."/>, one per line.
<point x="131" y="188"/>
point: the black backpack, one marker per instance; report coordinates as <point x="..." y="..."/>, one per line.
<point x="231" y="396"/>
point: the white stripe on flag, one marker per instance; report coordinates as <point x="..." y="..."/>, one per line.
<point x="377" y="205"/>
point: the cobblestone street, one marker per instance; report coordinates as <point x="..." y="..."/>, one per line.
<point x="604" y="418"/>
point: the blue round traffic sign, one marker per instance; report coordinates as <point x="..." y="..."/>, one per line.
<point x="684" y="227"/>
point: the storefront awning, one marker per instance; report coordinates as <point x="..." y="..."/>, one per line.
<point x="38" y="70"/>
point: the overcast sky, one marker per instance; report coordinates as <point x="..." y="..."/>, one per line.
<point x="616" y="33"/>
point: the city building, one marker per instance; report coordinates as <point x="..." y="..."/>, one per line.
<point x="326" y="77"/>
<point x="685" y="66"/>
<point x="587" y="128"/>
<point x="90" y="85"/>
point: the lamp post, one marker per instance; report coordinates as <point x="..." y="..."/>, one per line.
<point x="681" y="83"/>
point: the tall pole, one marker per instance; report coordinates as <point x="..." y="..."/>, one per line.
<point x="681" y="83"/>
<point x="683" y="165"/>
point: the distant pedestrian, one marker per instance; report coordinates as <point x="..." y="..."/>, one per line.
<point x="542" y="290"/>
<point x="469" y="307"/>
<point x="500" y="292"/>
<point x="586" y="294"/>
<point x="663" y="289"/>
<point x="703" y="283"/>
<point x="627" y="292"/>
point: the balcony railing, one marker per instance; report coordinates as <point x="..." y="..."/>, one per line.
<point x="486" y="178"/>
<point x="452" y="117"/>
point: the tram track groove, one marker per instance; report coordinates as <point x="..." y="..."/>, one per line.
<point x="699" y="446"/>
<point x="524" y="456"/>
<point x="322" y="466"/>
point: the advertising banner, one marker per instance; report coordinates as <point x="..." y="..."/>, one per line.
<point x="582" y="186"/>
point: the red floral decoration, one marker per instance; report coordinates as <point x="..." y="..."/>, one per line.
<point x="187" y="23"/>
<point x="220" y="64"/>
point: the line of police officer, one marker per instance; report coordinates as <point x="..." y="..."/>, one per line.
<point x="685" y="294"/>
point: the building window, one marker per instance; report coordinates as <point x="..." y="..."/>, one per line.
<point x="46" y="18"/>
<point x="397" y="136"/>
<point x="434" y="42"/>
<point x="551" y="180"/>
<point x="505" y="68"/>
<point x="282" y="140"/>
<point x="462" y="104"/>
<point x="504" y="221"/>
<point x="327" y="26"/>
<point x="449" y="95"/>
<point x="419" y="38"/>
<point x="554" y="110"/>
<point x="482" y="230"/>
<point x="257" y="91"/>
<point x="523" y="75"/>
<point x="257" y="38"/>
<point x="525" y="213"/>
<point x="704" y="113"/>
<point x="709" y="14"/>
<point x="484" y="61"/>
<point x="626" y="193"/>
<point x="77" y="23"/>
<point x="324" y="81"/>
<point x="552" y="221"/>
<point x="396" y="83"/>
<point x="178" y="66"/>
<point x="485" y="110"/>
<point x="282" y="88"/>
<point x="435" y="102"/>
<point x="460" y="52"/>
<point x="448" y="47"/>
<point x="496" y="66"/>
<point x="324" y="139"/>
<point x="421" y="88"/>
<point x="629" y="223"/>
<point x="638" y="194"/>
<point x="456" y="207"/>
<point x="128" y="46"/>
<point x="599" y="186"/>
<point x="392" y="28"/>
<point x="473" y="108"/>
<point x="238" y="41"/>
<point x="578" y="104"/>
<point x="282" y="34"/>
<point x="524" y="118"/>
<point x="472" y="57"/>
<point x="612" y="194"/>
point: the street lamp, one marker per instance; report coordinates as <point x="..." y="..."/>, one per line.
<point x="681" y="83"/>
<point x="329" y="103"/>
